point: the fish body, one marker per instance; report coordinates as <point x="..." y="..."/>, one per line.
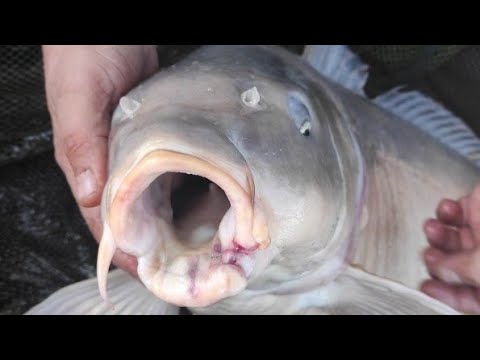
<point x="311" y="197"/>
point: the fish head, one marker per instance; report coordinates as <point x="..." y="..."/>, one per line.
<point x="220" y="166"/>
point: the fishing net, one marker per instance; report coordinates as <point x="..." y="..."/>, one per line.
<point x="448" y="73"/>
<point x="44" y="242"/>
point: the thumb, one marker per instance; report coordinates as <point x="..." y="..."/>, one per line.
<point x="81" y="125"/>
<point x="457" y="268"/>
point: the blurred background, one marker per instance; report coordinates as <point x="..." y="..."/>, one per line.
<point x="44" y="243"/>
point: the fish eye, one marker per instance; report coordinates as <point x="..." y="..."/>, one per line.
<point x="306" y="128"/>
<point x="299" y="113"/>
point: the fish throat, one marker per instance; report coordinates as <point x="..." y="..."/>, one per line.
<point x="197" y="206"/>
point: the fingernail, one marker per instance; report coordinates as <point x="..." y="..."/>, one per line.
<point x="86" y="184"/>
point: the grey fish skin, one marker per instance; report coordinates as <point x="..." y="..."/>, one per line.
<point x="407" y="174"/>
<point x="325" y="192"/>
<point x="292" y="180"/>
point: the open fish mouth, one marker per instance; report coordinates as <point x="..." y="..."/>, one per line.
<point x="193" y="226"/>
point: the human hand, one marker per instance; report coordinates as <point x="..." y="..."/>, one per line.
<point x="453" y="258"/>
<point x="83" y="85"/>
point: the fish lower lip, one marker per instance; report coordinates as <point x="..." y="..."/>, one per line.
<point x="176" y="271"/>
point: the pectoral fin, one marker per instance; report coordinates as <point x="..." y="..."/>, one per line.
<point x="128" y="296"/>
<point x="356" y="292"/>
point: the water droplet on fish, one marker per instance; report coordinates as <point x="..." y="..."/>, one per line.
<point x="251" y="97"/>
<point x="129" y="106"/>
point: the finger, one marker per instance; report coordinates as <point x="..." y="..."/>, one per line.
<point x="457" y="269"/>
<point x="441" y="237"/>
<point x="446" y="238"/>
<point x="450" y="213"/>
<point x="462" y="298"/>
<point x="93" y="219"/>
<point x="81" y="125"/>
<point x="126" y="262"/>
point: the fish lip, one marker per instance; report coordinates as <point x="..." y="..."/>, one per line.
<point x="159" y="162"/>
<point x="231" y="274"/>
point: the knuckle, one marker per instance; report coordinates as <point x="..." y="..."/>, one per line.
<point x="75" y="145"/>
<point x="59" y="158"/>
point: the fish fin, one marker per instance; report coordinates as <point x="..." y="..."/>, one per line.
<point x="356" y="292"/>
<point x="434" y="119"/>
<point x="128" y="295"/>
<point x="339" y="64"/>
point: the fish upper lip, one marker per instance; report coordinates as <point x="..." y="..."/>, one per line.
<point x="236" y="253"/>
<point x="159" y="162"/>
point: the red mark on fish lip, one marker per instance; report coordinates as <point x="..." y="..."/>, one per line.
<point x="237" y="251"/>
<point x="237" y="247"/>
<point x="241" y="249"/>
<point x="233" y="260"/>
<point x="231" y="255"/>
<point x="234" y="254"/>
<point x="192" y="273"/>
<point x="217" y="248"/>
